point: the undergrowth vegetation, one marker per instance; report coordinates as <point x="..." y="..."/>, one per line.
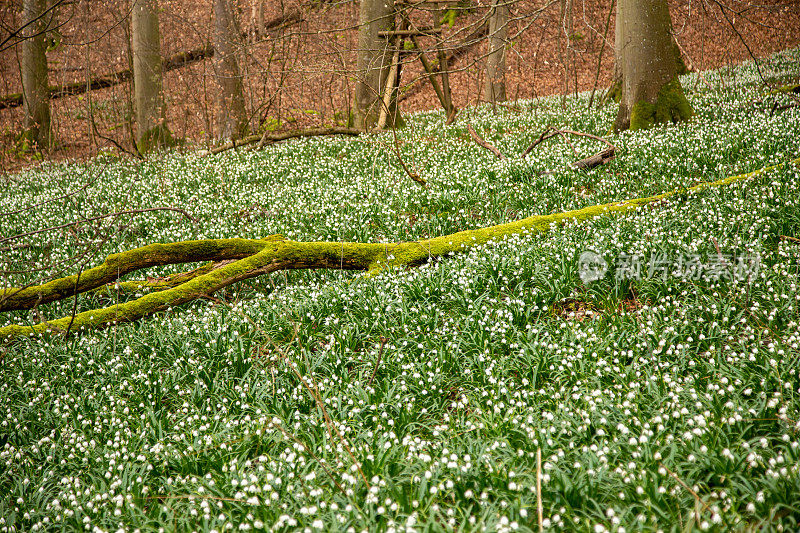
<point x="666" y="397"/>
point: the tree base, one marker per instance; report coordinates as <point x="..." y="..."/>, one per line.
<point x="156" y="138"/>
<point x="671" y="106"/>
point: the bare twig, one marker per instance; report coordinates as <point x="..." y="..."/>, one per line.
<point x="378" y="362"/>
<point x="687" y="487"/>
<point x="539" y="511"/>
<point x="599" y="158"/>
<point x="63" y="196"/>
<point x="100" y="217"/>
<point x="600" y="55"/>
<point x="74" y="304"/>
<point x="313" y="392"/>
<point x="482" y="143"/>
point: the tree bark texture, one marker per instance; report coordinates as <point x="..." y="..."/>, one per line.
<point x="373" y="62"/>
<point x="151" y="123"/>
<point x="651" y="90"/>
<point x="231" y="113"/>
<point x="35" y="88"/>
<point x="495" y="86"/>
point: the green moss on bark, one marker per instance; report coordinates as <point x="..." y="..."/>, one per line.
<point x="155" y="138"/>
<point x="117" y="265"/>
<point x="786" y="89"/>
<point x="614" y="93"/>
<point x="671" y="106"/>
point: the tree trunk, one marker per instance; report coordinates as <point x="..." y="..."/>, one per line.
<point x="651" y="90"/>
<point x="444" y="62"/>
<point x="152" y="131"/>
<point x="256" y="19"/>
<point x="230" y="105"/>
<point x="495" y="89"/>
<point x="35" y="87"/>
<point x="615" y="91"/>
<point x="373" y="62"/>
<point x="566" y="31"/>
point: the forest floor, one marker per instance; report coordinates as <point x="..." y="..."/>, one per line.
<point x="301" y="74"/>
<point x="662" y="392"/>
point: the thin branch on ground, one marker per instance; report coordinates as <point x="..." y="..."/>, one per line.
<point x="480" y="141"/>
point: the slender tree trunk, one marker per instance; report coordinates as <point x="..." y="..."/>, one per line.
<point x="230" y="105"/>
<point x="615" y="91"/>
<point x="566" y="28"/>
<point x="151" y="124"/>
<point x="444" y="62"/>
<point x="651" y="90"/>
<point x="373" y="62"/>
<point x="256" y="19"/>
<point x="35" y="89"/>
<point x="495" y="88"/>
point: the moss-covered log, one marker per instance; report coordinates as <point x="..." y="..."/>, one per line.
<point x="118" y="265"/>
<point x="157" y="284"/>
<point x="258" y="257"/>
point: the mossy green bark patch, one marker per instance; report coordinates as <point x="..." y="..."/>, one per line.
<point x="671" y="105"/>
<point x="117" y="265"/>
<point x="785" y="89"/>
<point x="614" y="93"/>
<point x="242" y="269"/>
<point x="155" y="138"/>
<point x="152" y="285"/>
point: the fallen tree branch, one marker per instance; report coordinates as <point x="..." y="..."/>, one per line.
<point x="158" y="284"/>
<point x="173" y="62"/>
<point x="481" y="142"/>
<point x="600" y="158"/>
<point x="597" y="159"/>
<point x="270" y="137"/>
<point x="263" y="256"/>
<point x="117" y="265"/>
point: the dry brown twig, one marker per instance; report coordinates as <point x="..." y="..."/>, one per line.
<point x="312" y="391"/>
<point x="110" y="215"/>
<point x="602" y="157"/>
<point x="482" y="142"/>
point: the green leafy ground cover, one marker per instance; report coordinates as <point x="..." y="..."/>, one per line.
<point x="666" y="402"/>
